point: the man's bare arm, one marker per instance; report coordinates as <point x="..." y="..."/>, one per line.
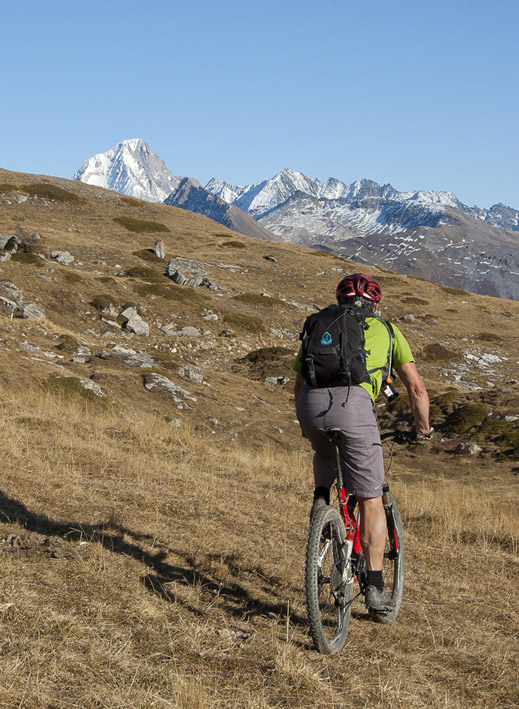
<point x="418" y="397"/>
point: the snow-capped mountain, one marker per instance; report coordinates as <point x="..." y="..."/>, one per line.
<point x="422" y="233"/>
<point x="131" y="168"/>
<point x="291" y="202"/>
<point x="425" y="233"/>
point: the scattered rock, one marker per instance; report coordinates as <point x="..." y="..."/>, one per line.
<point x="159" y="248"/>
<point x="4" y="256"/>
<point x="35" y="544"/>
<point x="5" y="238"/>
<point x="189" y="331"/>
<point x="65" y="258"/>
<point x="129" y="312"/>
<point x="281" y="334"/>
<point x="468" y="449"/>
<point x="270" y="258"/>
<point x="91" y="386"/>
<point x="191" y="372"/>
<point x="186" y="272"/>
<point x="209" y="315"/>
<point x="137" y="325"/>
<point x="273" y="381"/>
<point x="153" y="381"/>
<point x="169" y="329"/>
<point x="30" y="310"/>
<point x="408" y="318"/>
<point x="10" y="304"/>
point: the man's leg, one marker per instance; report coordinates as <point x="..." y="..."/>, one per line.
<point x="373" y="532"/>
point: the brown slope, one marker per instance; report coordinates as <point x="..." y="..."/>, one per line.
<point x="189" y="591"/>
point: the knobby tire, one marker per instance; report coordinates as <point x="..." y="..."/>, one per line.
<point x="394" y="559"/>
<point x="328" y="597"/>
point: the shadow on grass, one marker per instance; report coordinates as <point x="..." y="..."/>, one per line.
<point x="230" y="596"/>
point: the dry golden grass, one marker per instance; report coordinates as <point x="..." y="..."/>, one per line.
<point x="189" y="592"/>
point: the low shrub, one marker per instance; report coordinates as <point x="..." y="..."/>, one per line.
<point x="467" y="417"/>
<point x="72" y="277"/>
<point x="257" y="299"/>
<point x="150" y="275"/>
<point x="140" y="225"/>
<point x="414" y="301"/>
<point x="445" y="400"/>
<point x="26" y="257"/>
<point x="502" y="430"/>
<point x="233" y="245"/>
<point x="148" y="255"/>
<point x="247" y="322"/>
<point x="437" y="352"/>
<point x="103" y="302"/>
<point x="68" y="343"/>
<point x="70" y="387"/>
<point x="170" y="291"/>
<point x="267" y="354"/>
<point x="489" y="337"/>
<point x="131" y="201"/>
<point x="7" y="187"/>
<point x="454" y="291"/>
<point x="451" y="310"/>
<point x="48" y="191"/>
<point x="166" y="360"/>
<point x="108" y="280"/>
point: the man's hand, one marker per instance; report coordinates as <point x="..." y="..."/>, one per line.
<point x="420" y="437"/>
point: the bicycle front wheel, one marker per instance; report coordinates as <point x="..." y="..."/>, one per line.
<point x="328" y="595"/>
<point x="394" y="558"/>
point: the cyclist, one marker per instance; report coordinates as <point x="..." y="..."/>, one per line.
<point x="351" y="410"/>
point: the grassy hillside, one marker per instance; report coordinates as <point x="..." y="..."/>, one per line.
<point x="153" y="538"/>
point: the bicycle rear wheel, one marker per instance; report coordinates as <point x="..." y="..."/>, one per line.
<point x="394" y="558"/>
<point x="328" y="596"/>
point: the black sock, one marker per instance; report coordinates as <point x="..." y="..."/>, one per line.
<point x="375" y="579"/>
<point x="322" y="492"/>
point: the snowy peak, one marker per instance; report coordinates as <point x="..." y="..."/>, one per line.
<point x="131" y="168"/>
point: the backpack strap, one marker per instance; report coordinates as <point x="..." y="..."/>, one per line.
<point x="391" y="334"/>
<point x="308" y="359"/>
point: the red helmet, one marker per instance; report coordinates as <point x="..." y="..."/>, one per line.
<point x="359" y="285"/>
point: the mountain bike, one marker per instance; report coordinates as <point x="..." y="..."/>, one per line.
<point x="336" y="573"/>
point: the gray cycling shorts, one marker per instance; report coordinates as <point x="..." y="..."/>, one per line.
<point x="361" y="448"/>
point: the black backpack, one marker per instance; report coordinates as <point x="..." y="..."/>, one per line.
<point x="333" y="352"/>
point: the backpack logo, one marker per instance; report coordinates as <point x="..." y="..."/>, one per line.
<point x="326" y="339"/>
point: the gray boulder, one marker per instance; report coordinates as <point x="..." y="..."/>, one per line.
<point x="65" y="258"/>
<point x="137" y="325"/>
<point x="191" y="372"/>
<point x="186" y="272"/>
<point x="189" y="331"/>
<point x="91" y="386"/>
<point x="30" y="310"/>
<point x="153" y="381"/>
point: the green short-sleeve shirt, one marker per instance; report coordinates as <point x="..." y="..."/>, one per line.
<point x="377" y="353"/>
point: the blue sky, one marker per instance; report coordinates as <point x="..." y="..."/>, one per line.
<point x="419" y="94"/>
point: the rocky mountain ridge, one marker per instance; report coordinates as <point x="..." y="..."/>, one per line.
<point x="428" y="234"/>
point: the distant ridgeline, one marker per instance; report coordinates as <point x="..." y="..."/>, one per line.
<point x="424" y="233"/>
